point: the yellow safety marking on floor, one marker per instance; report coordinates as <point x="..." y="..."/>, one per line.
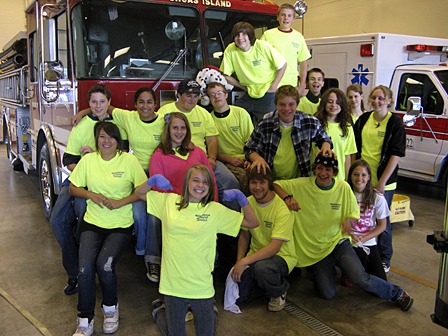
<point x="413" y="277"/>
<point x="26" y="314"/>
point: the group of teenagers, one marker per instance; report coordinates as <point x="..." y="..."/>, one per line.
<point x="289" y="188"/>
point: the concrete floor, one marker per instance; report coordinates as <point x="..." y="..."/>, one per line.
<point x="32" y="279"/>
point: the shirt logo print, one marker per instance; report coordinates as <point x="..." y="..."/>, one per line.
<point x="202" y="218"/>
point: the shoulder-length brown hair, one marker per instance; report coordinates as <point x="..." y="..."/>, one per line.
<point x="165" y="139"/>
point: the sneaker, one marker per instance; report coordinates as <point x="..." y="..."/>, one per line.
<point x="84" y="327"/>
<point x="153" y="273"/>
<point x="71" y="287"/>
<point x="158" y="305"/>
<point x="404" y="301"/>
<point x="189" y="316"/>
<point x="111" y="315"/>
<point x="277" y="304"/>
<point x="386" y="268"/>
<point x="346" y="282"/>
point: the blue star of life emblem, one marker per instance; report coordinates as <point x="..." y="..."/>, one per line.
<point x="359" y="77"/>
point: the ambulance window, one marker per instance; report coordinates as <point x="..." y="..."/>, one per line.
<point x="419" y="85"/>
<point x="330" y="83"/>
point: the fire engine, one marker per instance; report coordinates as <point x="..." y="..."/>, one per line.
<point x="412" y="66"/>
<point x="124" y="44"/>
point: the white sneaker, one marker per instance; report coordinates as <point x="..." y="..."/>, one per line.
<point x="189" y="316"/>
<point x="278" y="303"/>
<point x="84" y="327"/>
<point x="110" y="324"/>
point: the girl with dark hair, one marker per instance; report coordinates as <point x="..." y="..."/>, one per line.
<point x="334" y="115"/>
<point x="106" y="178"/>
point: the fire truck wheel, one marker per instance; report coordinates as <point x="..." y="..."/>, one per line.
<point x="46" y="181"/>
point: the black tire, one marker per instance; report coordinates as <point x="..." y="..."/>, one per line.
<point x="47" y="194"/>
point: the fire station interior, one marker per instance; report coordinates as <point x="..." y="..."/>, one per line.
<point x="32" y="278"/>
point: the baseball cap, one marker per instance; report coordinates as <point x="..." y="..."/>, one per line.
<point x="188" y="86"/>
<point x="326" y="161"/>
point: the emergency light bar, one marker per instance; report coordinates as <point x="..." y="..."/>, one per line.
<point x="425" y="47"/>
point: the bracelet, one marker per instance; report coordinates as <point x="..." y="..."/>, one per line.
<point x="287" y="196"/>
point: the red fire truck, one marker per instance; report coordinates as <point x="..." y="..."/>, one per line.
<point x="125" y="44"/>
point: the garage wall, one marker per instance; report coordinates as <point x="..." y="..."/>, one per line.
<point x="345" y="17"/>
<point x="12" y="19"/>
<point x="324" y="17"/>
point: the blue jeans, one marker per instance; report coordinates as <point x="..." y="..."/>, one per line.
<point x="264" y="277"/>
<point x="153" y="249"/>
<point x="385" y="238"/>
<point x="171" y="320"/>
<point x="257" y="107"/>
<point x="225" y="180"/>
<point x="346" y="259"/>
<point x="99" y="251"/>
<point x="62" y="219"/>
<point x="140" y="225"/>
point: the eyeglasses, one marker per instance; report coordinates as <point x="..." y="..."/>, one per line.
<point x="217" y="93"/>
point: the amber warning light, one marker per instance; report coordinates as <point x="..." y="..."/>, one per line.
<point x="367" y="50"/>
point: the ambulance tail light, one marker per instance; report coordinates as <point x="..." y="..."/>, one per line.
<point x="367" y="50"/>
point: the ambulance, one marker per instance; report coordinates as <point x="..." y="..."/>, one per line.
<point x="412" y="66"/>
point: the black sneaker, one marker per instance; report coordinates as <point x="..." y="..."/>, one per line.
<point x="71" y="287"/>
<point x="153" y="273"/>
<point x="404" y="301"/>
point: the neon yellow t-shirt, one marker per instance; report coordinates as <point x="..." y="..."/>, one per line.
<point x="354" y="118"/>
<point x="293" y="47"/>
<point x="372" y="143"/>
<point x="256" y="68"/>
<point x="114" y="179"/>
<point x="317" y="227"/>
<point x="189" y="243"/>
<point x="305" y="105"/>
<point x="234" y="131"/>
<point x="285" y="159"/>
<point x="144" y="137"/>
<point x="342" y="146"/>
<point x="276" y="222"/>
<point x="83" y="135"/>
<point x="201" y="123"/>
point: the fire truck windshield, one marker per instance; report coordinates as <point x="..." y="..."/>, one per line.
<point x="142" y="40"/>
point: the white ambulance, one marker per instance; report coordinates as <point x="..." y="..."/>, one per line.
<point x="412" y="66"/>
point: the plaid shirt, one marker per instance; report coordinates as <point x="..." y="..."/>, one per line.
<point x="266" y="137"/>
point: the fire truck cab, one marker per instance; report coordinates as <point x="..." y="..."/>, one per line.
<point x="74" y="44"/>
